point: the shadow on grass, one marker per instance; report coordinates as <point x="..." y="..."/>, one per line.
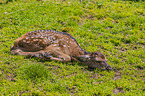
<point x="71" y="63"/>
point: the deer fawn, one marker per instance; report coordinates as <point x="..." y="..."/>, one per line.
<point x="58" y="46"/>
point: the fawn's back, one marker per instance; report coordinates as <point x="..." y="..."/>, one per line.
<point x="41" y="39"/>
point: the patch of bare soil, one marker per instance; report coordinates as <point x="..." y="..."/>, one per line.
<point x="143" y="89"/>
<point x="118" y="90"/>
<point x="140" y="67"/>
<point x="21" y="92"/>
<point x="117" y="76"/>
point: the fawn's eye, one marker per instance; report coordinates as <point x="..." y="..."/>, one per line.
<point x="96" y="53"/>
<point x="98" y="61"/>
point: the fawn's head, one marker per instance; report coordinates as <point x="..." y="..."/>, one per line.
<point x="95" y="60"/>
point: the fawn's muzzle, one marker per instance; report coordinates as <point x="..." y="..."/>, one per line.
<point x="108" y="67"/>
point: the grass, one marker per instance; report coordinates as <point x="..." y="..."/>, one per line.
<point x="115" y="28"/>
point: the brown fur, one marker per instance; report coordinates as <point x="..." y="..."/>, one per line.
<point x="54" y="45"/>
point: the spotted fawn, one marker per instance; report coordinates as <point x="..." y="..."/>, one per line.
<point x="58" y="46"/>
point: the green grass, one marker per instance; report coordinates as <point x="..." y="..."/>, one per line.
<point x="115" y="28"/>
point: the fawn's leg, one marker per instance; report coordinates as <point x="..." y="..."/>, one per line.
<point x="56" y="54"/>
<point x="50" y="53"/>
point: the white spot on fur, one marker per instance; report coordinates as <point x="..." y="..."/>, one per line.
<point x="32" y="37"/>
<point x="34" y="40"/>
<point x="28" y="42"/>
<point x="24" y="40"/>
<point x="64" y="45"/>
<point x="55" y="45"/>
<point x="41" y="37"/>
<point x="27" y="38"/>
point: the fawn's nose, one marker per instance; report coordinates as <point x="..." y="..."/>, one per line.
<point x="108" y="67"/>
